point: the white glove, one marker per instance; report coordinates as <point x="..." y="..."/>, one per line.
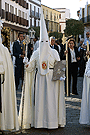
<point x="88" y="74"/>
<point x="25" y="60"/>
<point x="62" y="78"/>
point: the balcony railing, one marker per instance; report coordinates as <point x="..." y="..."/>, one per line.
<point x="34" y="14"/>
<point x="86" y="19"/>
<point x="22" y="3"/>
<point x="13" y="18"/>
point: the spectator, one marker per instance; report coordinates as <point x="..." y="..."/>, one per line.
<point x="19" y="52"/>
<point x="52" y="44"/>
<point x="73" y="57"/>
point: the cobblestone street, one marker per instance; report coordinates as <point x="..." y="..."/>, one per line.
<point x="73" y="105"/>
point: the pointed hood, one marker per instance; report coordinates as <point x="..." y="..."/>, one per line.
<point x="44" y="48"/>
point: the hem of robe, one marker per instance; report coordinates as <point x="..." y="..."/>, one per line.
<point x="44" y="124"/>
<point x="62" y="121"/>
<point x="9" y="128"/>
<point x="83" y="122"/>
<point x="28" y="126"/>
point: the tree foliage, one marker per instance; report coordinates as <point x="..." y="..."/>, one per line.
<point x="56" y="35"/>
<point x="74" y="27"/>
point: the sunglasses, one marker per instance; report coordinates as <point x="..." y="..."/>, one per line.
<point x="87" y="34"/>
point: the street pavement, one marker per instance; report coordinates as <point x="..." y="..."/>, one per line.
<point x="73" y="106"/>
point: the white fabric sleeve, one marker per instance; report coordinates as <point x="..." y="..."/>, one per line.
<point x="32" y="62"/>
<point x="56" y="55"/>
<point x="87" y="70"/>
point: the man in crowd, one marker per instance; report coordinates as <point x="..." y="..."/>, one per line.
<point x="36" y="43"/>
<point x="19" y="52"/>
<point x="87" y="39"/>
<point x="52" y="44"/>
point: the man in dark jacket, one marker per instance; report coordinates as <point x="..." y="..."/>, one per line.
<point x="52" y="44"/>
<point x="18" y="52"/>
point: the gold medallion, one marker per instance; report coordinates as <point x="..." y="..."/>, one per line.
<point x="44" y="65"/>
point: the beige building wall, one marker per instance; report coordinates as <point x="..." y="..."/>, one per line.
<point x="51" y="17"/>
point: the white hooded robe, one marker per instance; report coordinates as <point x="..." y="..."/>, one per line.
<point x="85" y="104"/>
<point x="44" y="108"/>
<point x="8" y="117"/>
<point x="49" y="109"/>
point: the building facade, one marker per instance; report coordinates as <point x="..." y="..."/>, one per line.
<point x="18" y="15"/>
<point x="63" y="16"/>
<point x="34" y="12"/>
<point x="84" y="16"/>
<point x="51" y="17"/>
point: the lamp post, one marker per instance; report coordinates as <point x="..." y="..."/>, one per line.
<point x="32" y="35"/>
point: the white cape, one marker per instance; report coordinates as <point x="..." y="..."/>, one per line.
<point x="49" y="110"/>
<point x="8" y="117"/>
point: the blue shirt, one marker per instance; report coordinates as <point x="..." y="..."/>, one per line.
<point x="85" y="41"/>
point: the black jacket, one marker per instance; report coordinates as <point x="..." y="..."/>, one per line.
<point x="69" y="55"/>
<point x="55" y="47"/>
<point x="17" y="50"/>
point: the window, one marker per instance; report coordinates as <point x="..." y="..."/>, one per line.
<point x="54" y="17"/>
<point x="30" y="9"/>
<point x="0" y="4"/>
<point x="19" y="13"/>
<point x="16" y="11"/>
<point x="12" y="9"/>
<point x="83" y="13"/>
<point x="6" y="7"/>
<point x="60" y="28"/>
<point x="26" y="16"/>
<point x="34" y="10"/>
<point x="0" y="7"/>
<point x="43" y="11"/>
<point x="22" y="14"/>
<point x="46" y="14"/>
<point x="51" y="15"/>
<point x="59" y="16"/>
<point x="88" y="10"/>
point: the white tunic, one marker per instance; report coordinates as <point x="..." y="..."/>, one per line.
<point x="8" y="117"/>
<point x="49" y="109"/>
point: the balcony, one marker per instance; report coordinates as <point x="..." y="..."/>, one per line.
<point x="86" y="19"/>
<point x="7" y="16"/>
<point x="22" y="3"/>
<point x="33" y="13"/>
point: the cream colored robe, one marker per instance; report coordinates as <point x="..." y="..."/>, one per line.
<point x="8" y="117"/>
<point x="49" y="110"/>
<point x="85" y="104"/>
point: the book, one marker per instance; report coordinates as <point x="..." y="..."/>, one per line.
<point x="59" y="70"/>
